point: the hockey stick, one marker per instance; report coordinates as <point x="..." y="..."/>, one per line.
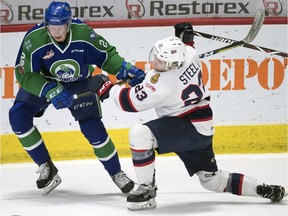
<point x="91" y="91"/>
<point x="257" y="23"/>
<point x="247" y="45"/>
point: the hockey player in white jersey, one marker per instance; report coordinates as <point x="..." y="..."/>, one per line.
<point x="175" y="89"/>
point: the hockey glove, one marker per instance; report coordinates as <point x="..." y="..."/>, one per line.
<point x="130" y="73"/>
<point x="101" y="84"/>
<point x="184" y="31"/>
<point x="57" y="95"/>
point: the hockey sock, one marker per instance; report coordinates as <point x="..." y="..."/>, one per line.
<point x="107" y="155"/>
<point x="144" y="164"/>
<point x="242" y="185"/>
<point x="234" y="184"/>
<point x="34" y="145"/>
<point x="94" y="130"/>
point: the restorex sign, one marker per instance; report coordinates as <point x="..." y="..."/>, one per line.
<point x="19" y="12"/>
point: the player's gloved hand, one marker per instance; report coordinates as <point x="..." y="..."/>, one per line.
<point x="57" y="95"/>
<point x="101" y="84"/>
<point x="184" y="31"/>
<point x="131" y="73"/>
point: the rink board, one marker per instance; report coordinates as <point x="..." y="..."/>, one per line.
<point x="248" y="95"/>
<point x="72" y="145"/>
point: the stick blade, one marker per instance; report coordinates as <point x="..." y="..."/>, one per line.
<point x="257" y="23"/>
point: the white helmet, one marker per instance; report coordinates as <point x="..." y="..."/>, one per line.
<point x="171" y="50"/>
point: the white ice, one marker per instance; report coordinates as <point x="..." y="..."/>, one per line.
<point x="87" y="190"/>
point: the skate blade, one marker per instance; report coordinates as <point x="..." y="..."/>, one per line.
<point x="55" y="182"/>
<point x="136" y="206"/>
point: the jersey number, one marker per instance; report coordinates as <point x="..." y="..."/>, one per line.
<point x="140" y="95"/>
<point x="190" y="90"/>
<point x="193" y="88"/>
<point x="103" y="43"/>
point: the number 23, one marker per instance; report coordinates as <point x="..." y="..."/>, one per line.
<point x="193" y="88"/>
<point x="140" y="95"/>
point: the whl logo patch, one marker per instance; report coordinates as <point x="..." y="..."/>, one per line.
<point x="48" y="55"/>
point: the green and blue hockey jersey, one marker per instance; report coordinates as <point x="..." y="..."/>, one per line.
<point x="41" y="58"/>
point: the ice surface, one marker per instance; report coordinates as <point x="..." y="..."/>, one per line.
<point x="87" y="190"/>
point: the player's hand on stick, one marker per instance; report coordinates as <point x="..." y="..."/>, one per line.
<point x="57" y="95"/>
<point x="184" y="31"/>
<point x="101" y="84"/>
<point x="130" y="73"/>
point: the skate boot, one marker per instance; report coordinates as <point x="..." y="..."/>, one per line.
<point x="143" y="197"/>
<point x="48" y="179"/>
<point x="123" y="182"/>
<point x="273" y="192"/>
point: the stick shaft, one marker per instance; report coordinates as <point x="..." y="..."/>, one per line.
<point x="257" y="23"/>
<point x="222" y="49"/>
<point x="246" y="45"/>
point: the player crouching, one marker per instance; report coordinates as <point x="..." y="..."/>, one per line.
<point x="184" y="125"/>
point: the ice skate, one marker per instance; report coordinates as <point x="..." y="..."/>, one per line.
<point x="142" y="198"/>
<point x="273" y="192"/>
<point x="48" y="179"/>
<point x="123" y="182"/>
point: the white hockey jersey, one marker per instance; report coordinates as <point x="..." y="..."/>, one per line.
<point x="177" y="92"/>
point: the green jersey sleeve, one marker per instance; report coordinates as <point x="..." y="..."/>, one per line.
<point x="27" y="71"/>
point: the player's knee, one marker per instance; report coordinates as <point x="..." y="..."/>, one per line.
<point x="94" y="130"/>
<point x="213" y="181"/>
<point x="140" y="137"/>
<point x="19" y="118"/>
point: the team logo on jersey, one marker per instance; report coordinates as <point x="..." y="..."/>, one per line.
<point x="48" y="55"/>
<point x="93" y="35"/>
<point x="154" y="79"/>
<point x="66" y="70"/>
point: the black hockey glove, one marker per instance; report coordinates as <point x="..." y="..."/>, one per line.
<point x="101" y="84"/>
<point x="184" y="31"/>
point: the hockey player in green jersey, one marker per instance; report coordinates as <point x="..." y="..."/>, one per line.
<point x="54" y="62"/>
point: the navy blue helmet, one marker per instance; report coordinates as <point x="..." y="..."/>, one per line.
<point x="58" y="13"/>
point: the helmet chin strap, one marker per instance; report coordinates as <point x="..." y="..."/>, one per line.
<point x="170" y="66"/>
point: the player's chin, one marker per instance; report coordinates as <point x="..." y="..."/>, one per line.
<point x="59" y="39"/>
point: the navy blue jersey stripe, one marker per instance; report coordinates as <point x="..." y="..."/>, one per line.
<point x="125" y="101"/>
<point x="198" y="114"/>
